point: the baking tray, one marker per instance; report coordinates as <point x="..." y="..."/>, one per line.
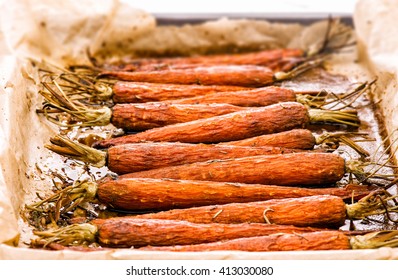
<point x="173" y="19"/>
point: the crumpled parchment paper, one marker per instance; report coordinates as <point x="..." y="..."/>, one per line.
<point x="378" y="45"/>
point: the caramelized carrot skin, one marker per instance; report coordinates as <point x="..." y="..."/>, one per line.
<point x="292" y="139"/>
<point x="136" y="92"/>
<point x="276" y="59"/>
<point x="162" y="194"/>
<point x="229" y="127"/>
<point x="319" y="211"/>
<point x="322" y="240"/>
<point x="253" y="58"/>
<point x="138" y="117"/>
<point x="142" y="116"/>
<point x="247" y="98"/>
<point x="241" y="75"/>
<point x="295" y="169"/>
<point x="126" y="232"/>
<point x="136" y="157"/>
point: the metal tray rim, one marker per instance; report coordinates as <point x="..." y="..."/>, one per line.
<point x="303" y="18"/>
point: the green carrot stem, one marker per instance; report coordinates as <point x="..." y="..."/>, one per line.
<point x="66" y="147"/>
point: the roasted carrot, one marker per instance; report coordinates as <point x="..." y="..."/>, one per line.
<point x="285" y="64"/>
<point x="126" y="232"/>
<point x="151" y="115"/>
<point x="276" y="59"/>
<point x="138" y="117"/>
<point x="272" y="94"/>
<point x="137" y="194"/>
<point x="133" y="232"/>
<point x="229" y="127"/>
<point x="136" y="157"/>
<point x="300" y="139"/>
<point x="161" y="194"/>
<point x="144" y="156"/>
<point x="321" y="240"/>
<point x="296" y="169"/>
<point x="237" y="126"/>
<point x="324" y="211"/>
<point x="254" y="97"/>
<point x="242" y="75"/>
<point x="140" y="92"/>
<point x="292" y="139"/>
<point x="136" y="92"/>
<point x="321" y="211"/>
<point x="142" y="116"/>
<point x="232" y="75"/>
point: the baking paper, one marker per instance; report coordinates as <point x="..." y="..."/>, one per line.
<point x="70" y="32"/>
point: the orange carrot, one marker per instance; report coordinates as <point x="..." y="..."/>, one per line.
<point x="322" y="240"/>
<point x="321" y="211"/>
<point x="276" y="59"/>
<point x="142" y="116"/>
<point x="247" y="98"/>
<point x="136" y="92"/>
<point x="295" y="169"/>
<point x="138" y="194"/>
<point x="231" y="75"/>
<point x="163" y="194"/>
<point x="326" y="211"/>
<point x="292" y="139"/>
<point x="127" y="232"/>
<point x="136" y="157"/>
<point x="245" y="75"/>
<point x="280" y="241"/>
